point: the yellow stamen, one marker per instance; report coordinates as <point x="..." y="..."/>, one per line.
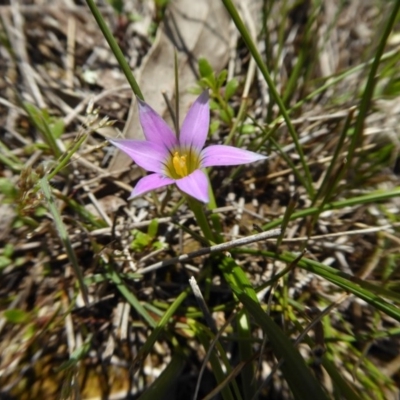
<point x="179" y="163"/>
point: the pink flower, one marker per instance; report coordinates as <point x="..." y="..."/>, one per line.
<point x="179" y="161"/>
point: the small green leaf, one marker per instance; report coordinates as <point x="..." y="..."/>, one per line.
<point x="57" y="128"/>
<point x="208" y="83"/>
<point x="222" y="78"/>
<point x="153" y="228"/>
<point x="40" y="211"/>
<point x="224" y="116"/>
<point x="214" y="126"/>
<point x="8" y="250"/>
<point x="214" y="105"/>
<point x="19" y="261"/>
<point x="231" y="88"/>
<point x="158" y="245"/>
<point x="16" y="316"/>
<point x="30" y="331"/>
<point x="227" y="116"/>
<point x="7" y="187"/>
<point x="205" y="68"/>
<point x="141" y="240"/>
<point x="4" y="262"/>
<point x="247" y="129"/>
<point x="36" y="115"/>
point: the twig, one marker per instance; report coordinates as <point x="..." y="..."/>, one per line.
<point x="212" y="249"/>
<point x="162" y="220"/>
<point x="202" y="304"/>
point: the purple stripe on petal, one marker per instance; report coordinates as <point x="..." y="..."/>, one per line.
<point x="194" y="129"/>
<point x="147" y="155"/>
<point x="219" y="154"/>
<point x="148" y="183"/>
<point x="155" y="129"/>
<point x="195" y="185"/>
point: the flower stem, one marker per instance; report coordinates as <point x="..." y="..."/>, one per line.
<point x="176" y="69"/>
<point x="201" y="218"/>
<point x="115" y="48"/>
<point x="214" y="218"/>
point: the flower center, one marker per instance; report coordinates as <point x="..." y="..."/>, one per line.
<point x="179" y="163"/>
<point x="182" y="162"/>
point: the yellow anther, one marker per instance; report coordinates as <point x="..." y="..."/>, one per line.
<point x="180" y="164"/>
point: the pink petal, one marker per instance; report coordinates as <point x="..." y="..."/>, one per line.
<point x="147" y="155"/>
<point x="194" y="129"/>
<point x="227" y="155"/>
<point x="195" y="185"/>
<point x="150" y="182"/>
<point x="155" y="129"/>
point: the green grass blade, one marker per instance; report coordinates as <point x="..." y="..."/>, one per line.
<point x="63" y="162"/>
<point x="362" y="289"/>
<point x="372" y="197"/>
<point x="274" y="93"/>
<point x="41" y="125"/>
<point x="129" y="296"/>
<point x="62" y="232"/>
<point x="294" y="369"/>
<point x="145" y="349"/>
<point x="371" y="82"/>
<point x="246" y="353"/>
<point x="302" y="383"/>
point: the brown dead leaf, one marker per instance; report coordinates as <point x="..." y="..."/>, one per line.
<point x="195" y="29"/>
